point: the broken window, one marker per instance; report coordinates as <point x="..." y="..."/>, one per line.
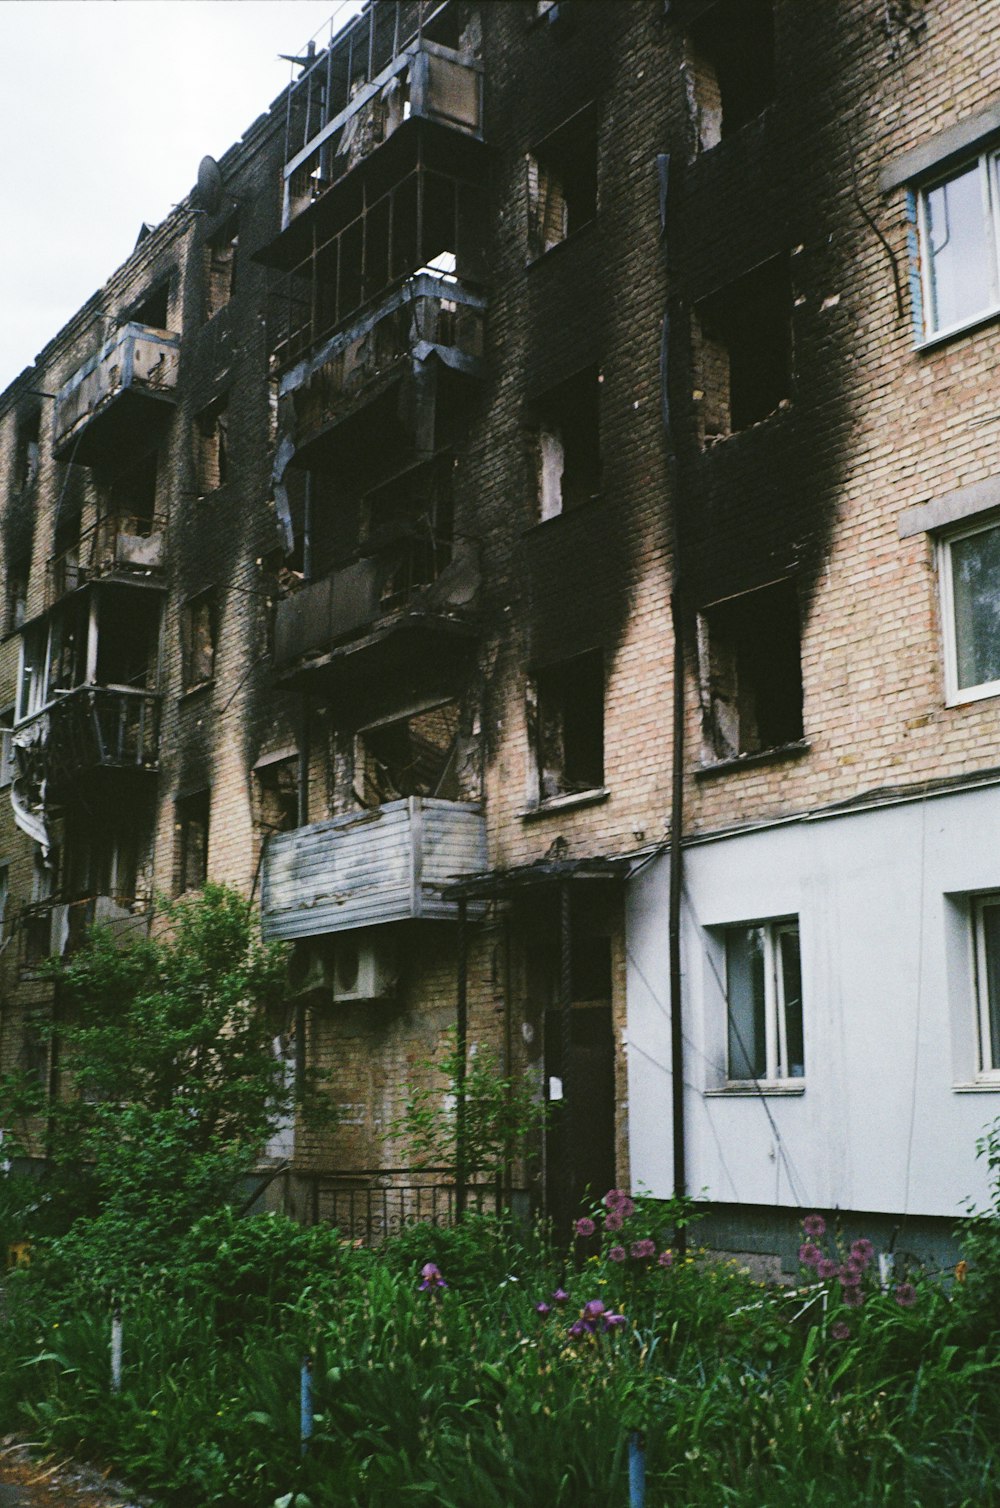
<point x="64" y="567"/>
<point x="744" y="350"/>
<point x="128" y="632"/>
<point x="412" y="756"/>
<point x="17" y="592"/>
<point x="276" y="782"/>
<point x="152" y="311"/>
<point x="409" y="522"/>
<point x="26" y="457"/>
<point x="731" y="61"/>
<point x="751" y="672"/>
<point x="568" y="454"/>
<point x="131" y="496"/>
<point x="191" y="815"/>
<point x="198" y="643"/>
<point x="212" y="431"/>
<point x="8" y="761"/>
<point x="562" y="183"/>
<point x="221" y="270"/>
<point x="567" y="703"/>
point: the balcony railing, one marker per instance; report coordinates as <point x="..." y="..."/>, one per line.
<point x="117" y="545"/>
<point x="133" y="372"/>
<point x="378" y="72"/>
<point x="98" y="727"/>
<point x="417" y="581"/>
<point x="385" y="864"/>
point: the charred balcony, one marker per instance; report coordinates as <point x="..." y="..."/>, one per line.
<point x="119" y="547"/>
<point x="388" y="863"/>
<point x="90" y="729"/>
<point x="379" y="615"/>
<point x="56" y="927"/>
<point x="107" y="406"/>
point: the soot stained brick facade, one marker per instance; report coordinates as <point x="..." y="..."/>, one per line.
<point x="504" y="327"/>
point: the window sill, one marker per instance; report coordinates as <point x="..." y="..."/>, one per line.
<point x="754" y="1091"/>
<point x="778" y="754"/>
<point x="193" y="691"/>
<point x="942" y="337"/>
<point x="587" y="506"/>
<point x="979" y="1086"/>
<point x="551" y="251"/>
<point x="556" y="804"/>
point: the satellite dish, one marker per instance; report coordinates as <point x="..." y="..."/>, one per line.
<point x="209" y="190"/>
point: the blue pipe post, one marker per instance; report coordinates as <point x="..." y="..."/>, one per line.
<point x="305" y="1404"/>
<point x="636" y="1469"/>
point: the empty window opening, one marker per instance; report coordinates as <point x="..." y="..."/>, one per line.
<point x="67" y="647"/>
<point x="131" y="496"/>
<point x="128" y="629"/>
<point x="221" y="269"/>
<point x="64" y="567"/>
<point x="412" y="756"/>
<point x="568" y="445"/>
<point x="105" y="860"/>
<point x="276" y="783"/>
<point x="744" y="350"/>
<point x="27" y="449"/>
<point x="212" y="432"/>
<point x="191" y="816"/>
<point x="17" y="592"/>
<point x="764" y="1036"/>
<point x="8" y="758"/>
<point x="568" y="716"/>
<point x="198" y="627"/>
<point x="562" y="183"/>
<point x="152" y="311"/>
<point x="731" y="60"/>
<point x="409" y="522"/>
<point x="751" y="672"/>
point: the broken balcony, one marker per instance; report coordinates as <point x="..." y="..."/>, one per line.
<point x="107" y="405"/>
<point x="375" y="616"/>
<point x="117" y="547"/>
<point x="390" y="863"/>
<point x="92" y="729"/>
<point x="430" y="327"/>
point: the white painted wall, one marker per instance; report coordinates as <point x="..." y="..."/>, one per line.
<point x="890" y="1110"/>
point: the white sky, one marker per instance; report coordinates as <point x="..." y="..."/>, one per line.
<point x="106" y="109"/>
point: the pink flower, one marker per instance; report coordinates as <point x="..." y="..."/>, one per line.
<point x="814" y="1225"/>
<point x="906" y="1295"/>
<point x="612" y="1199"/>
<point x="612" y="1221"/>
<point x="862" y="1251"/>
<point x="853" y="1298"/>
<point x="826" y="1268"/>
<point x="643" y="1249"/>
<point x="840" y="1331"/>
<point x="626" y="1207"/>
<point x="585" y="1226"/>
<point x="617" y="1254"/>
<point x="666" y="1259"/>
<point x="810" y="1255"/>
<point x="849" y="1276"/>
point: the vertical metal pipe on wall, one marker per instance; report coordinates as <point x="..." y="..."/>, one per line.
<point x="566" y="1036"/>
<point x="461" y="1040"/>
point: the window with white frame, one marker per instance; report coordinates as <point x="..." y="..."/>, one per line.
<point x="970" y="612"/>
<point x="764" y="1035"/>
<point x="959" y="225"/>
<point x="986" y="922"/>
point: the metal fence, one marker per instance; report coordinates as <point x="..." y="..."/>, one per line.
<point x="368" y="1207"/>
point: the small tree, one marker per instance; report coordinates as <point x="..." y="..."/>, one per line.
<point x="172" y="1082"/>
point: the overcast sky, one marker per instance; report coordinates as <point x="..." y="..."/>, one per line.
<point x="106" y="109"/>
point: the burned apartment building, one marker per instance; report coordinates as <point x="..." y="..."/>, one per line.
<point x="553" y="430"/>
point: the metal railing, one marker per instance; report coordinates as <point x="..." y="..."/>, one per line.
<point x="123" y="542"/>
<point x="370" y="1206"/>
<point x="100" y="726"/>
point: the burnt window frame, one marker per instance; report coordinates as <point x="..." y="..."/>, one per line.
<point x="207" y="600"/>
<point x="727" y="641"/>
<point x="546" y="419"/>
<point x="547" y="696"/>
<point x="213" y="456"/>
<point x="191" y="810"/>
<point x="18" y="577"/>
<point x="712" y="53"/>
<point x="221" y="271"/>
<point x="582" y="198"/>
<point x="366" y="753"/>
<point x="727" y="326"/>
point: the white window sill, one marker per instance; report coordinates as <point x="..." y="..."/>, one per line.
<point x="941" y="337"/>
<point x="754" y="1091"/>
<point x="973" y="694"/>
<point x="979" y="1086"/>
<point x="565" y="803"/>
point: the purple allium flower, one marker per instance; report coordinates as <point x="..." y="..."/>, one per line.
<point x="862" y="1251"/>
<point x="666" y="1259"/>
<point x="432" y="1278"/>
<point x="849" y="1276"/>
<point x="585" y="1226"/>
<point x="814" y="1225"/>
<point x="826" y="1268"/>
<point x="626" y="1207"/>
<point x="613" y="1199"/>
<point x="840" y="1330"/>
<point x="542" y="1309"/>
<point x="612" y="1221"/>
<point x="593" y="1309"/>
<point x="906" y="1295"/>
<point x="617" y="1254"/>
<point x="560" y="1296"/>
<point x="614" y="1321"/>
<point x="853" y="1298"/>
<point x="643" y="1249"/>
<point x="810" y="1255"/>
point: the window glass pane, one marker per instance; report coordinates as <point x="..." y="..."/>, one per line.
<point x="745" y="998"/>
<point x="960" y="250"/>
<point x="791" y="987"/>
<point x="975" y="570"/>
<point x="990" y="921"/>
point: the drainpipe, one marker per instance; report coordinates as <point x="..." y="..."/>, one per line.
<point x="677" y="770"/>
<point x="461" y="1042"/>
<point x="566" y="1043"/>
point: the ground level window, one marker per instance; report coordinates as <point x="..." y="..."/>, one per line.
<point x="764" y="1003"/>
<point x="970" y="584"/>
<point x="987" y="937"/>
